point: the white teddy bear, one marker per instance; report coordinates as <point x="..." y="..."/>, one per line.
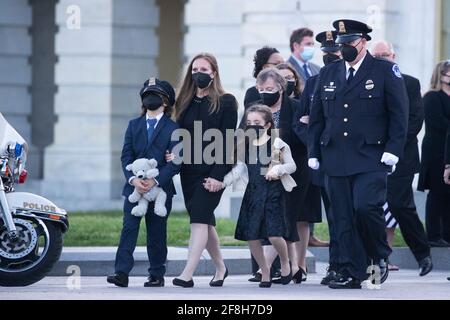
<point x="146" y="169"/>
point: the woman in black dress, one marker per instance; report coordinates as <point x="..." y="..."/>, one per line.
<point x="202" y="103"/>
<point x="437" y="121"/>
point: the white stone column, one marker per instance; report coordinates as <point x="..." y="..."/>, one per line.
<point x="15" y="70"/>
<point x="101" y="67"/>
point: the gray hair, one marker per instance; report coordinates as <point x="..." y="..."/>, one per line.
<point x="273" y="74"/>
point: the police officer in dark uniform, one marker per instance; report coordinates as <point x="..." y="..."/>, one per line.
<point x="357" y="133"/>
<point x="331" y="52"/>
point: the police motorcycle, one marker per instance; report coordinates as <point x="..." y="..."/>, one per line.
<point x="31" y="227"/>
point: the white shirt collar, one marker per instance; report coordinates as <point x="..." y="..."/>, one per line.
<point x="356" y="66"/>
<point x="158" y="117"/>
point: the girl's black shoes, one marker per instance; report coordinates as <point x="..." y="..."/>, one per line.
<point x="219" y="283"/>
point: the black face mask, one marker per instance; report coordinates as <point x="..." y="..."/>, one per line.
<point x="349" y="53"/>
<point x="329" y="58"/>
<point x="202" y="80"/>
<point x="290" y="88"/>
<point x="269" y="99"/>
<point x="152" y="101"/>
<point x="257" y="129"/>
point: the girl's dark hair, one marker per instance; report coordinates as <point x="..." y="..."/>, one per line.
<point x="261" y="57"/>
<point x="167" y="108"/>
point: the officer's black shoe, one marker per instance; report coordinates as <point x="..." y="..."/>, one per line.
<point x="384" y="270"/>
<point x="345" y="282"/>
<point x="275" y="274"/>
<point x="425" y="265"/>
<point x="256" y="278"/>
<point x="441" y="243"/>
<point x="154" y="282"/>
<point x="330" y="276"/>
<point x="119" y="279"/>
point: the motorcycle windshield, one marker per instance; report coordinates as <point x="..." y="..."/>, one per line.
<point x="9" y="135"/>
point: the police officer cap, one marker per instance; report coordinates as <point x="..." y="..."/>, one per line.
<point x="158" y="86"/>
<point x="350" y="30"/>
<point x="328" y="41"/>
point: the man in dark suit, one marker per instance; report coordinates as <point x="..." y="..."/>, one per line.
<point x="357" y="133"/>
<point x="301" y="43"/>
<point x="399" y="187"/>
<point x="149" y="136"/>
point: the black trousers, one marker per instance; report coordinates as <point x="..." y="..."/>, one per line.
<point x="357" y="208"/>
<point x="437" y="216"/>
<point x="333" y="248"/>
<point x="400" y="199"/>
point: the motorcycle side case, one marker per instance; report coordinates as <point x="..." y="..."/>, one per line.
<point x="31" y="205"/>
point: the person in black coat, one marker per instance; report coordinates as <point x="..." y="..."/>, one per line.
<point x="400" y="197"/>
<point x="447" y="158"/>
<point x="357" y="132"/>
<point x="437" y="121"/>
<point x="316" y="183"/>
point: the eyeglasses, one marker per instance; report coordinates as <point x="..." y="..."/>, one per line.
<point x="382" y="55"/>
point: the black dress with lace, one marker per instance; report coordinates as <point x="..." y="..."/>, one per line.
<point x="263" y="209"/>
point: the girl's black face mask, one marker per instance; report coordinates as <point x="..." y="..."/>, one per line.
<point x="257" y="128"/>
<point x="152" y="101"/>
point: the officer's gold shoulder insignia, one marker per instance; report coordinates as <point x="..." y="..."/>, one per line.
<point x="151" y="81"/>
<point x="342" y="27"/>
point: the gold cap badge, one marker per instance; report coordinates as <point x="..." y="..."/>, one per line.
<point x="329" y="36"/>
<point x="151" y="81"/>
<point x="342" y="27"/>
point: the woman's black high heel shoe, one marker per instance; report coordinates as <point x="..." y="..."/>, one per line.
<point x="265" y="284"/>
<point x="286" y="279"/>
<point x="219" y="283"/>
<point x="299" y="276"/>
<point x="182" y="283"/>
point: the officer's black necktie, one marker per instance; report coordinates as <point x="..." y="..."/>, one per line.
<point x="351" y="75"/>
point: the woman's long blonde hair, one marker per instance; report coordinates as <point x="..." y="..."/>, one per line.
<point x="187" y="89"/>
<point x="440" y="70"/>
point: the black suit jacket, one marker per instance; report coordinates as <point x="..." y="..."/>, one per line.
<point x="351" y="125"/>
<point x="410" y="162"/>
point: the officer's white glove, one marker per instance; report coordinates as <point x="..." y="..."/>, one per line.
<point x="313" y="163"/>
<point x="389" y="159"/>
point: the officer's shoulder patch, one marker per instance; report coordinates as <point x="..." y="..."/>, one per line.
<point x="396" y="71"/>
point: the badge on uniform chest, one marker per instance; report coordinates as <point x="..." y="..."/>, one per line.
<point x="330" y="88"/>
<point x="370" y="85"/>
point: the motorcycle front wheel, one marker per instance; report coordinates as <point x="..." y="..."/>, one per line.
<point x="32" y="256"/>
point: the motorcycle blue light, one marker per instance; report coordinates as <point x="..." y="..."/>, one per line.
<point x="18" y="150"/>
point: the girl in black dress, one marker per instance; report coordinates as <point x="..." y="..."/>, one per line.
<point x="437" y="121"/>
<point x="202" y="104"/>
<point x="267" y="164"/>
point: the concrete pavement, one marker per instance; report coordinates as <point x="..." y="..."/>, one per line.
<point x="404" y="284"/>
